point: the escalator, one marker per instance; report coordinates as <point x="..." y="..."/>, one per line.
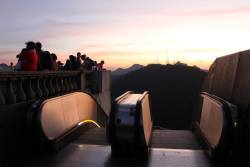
<point x="167" y="147"/>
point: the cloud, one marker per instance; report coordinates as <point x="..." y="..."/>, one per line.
<point x="125" y="53"/>
<point x="46" y="29"/>
<point x="7" y="56"/>
<point x="131" y="44"/>
<point x="3" y="60"/>
<point x="207" y="12"/>
<point x="8" y="52"/>
<point x="205" y="50"/>
<point x="107" y="45"/>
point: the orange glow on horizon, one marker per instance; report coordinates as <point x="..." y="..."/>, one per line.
<point x="202" y="58"/>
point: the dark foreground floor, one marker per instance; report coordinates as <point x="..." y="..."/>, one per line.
<point x="79" y="155"/>
<point x="176" y="139"/>
<point x="169" y="149"/>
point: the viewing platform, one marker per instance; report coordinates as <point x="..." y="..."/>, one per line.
<point x="65" y="109"/>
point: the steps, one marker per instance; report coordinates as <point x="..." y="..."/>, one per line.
<point x="173" y="139"/>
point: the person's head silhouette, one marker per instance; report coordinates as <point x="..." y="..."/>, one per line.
<point x="83" y="57"/>
<point x="38" y="45"/>
<point x="30" y="45"/>
<point x="78" y="54"/>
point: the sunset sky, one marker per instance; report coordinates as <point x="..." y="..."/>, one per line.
<point x="124" y="32"/>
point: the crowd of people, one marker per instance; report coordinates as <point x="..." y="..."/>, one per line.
<point x="34" y="58"/>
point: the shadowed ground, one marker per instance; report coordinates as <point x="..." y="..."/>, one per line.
<point x="169" y="148"/>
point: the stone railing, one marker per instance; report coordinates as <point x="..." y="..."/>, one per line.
<point x="21" y="87"/>
<point x="16" y="87"/>
<point x="19" y="90"/>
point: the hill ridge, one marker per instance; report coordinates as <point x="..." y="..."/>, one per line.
<point x="173" y="91"/>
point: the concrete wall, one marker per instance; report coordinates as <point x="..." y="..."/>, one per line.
<point x="229" y="78"/>
<point x="241" y="92"/>
<point x="100" y="88"/>
<point x="104" y="100"/>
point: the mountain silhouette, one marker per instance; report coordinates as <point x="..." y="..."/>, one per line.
<point x="4" y="67"/>
<point x="173" y="91"/>
<point x="121" y="71"/>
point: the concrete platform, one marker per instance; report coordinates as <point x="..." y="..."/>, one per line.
<point x="169" y="148"/>
<point x="80" y="155"/>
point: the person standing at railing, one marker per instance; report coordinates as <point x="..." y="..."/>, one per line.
<point x="88" y="63"/>
<point x="67" y="65"/>
<point x="73" y="62"/>
<point x="18" y="66"/>
<point x="60" y="65"/>
<point x="94" y="67"/>
<point x="54" y="63"/>
<point x="29" y="57"/>
<point x="11" y="66"/>
<point x="78" y="60"/>
<point x="100" y="65"/>
<point x="40" y="54"/>
<point x="46" y="61"/>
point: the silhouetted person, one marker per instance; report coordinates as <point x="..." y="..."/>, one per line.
<point x="78" y="59"/>
<point x="40" y="53"/>
<point x="47" y="61"/>
<point x="60" y="65"/>
<point x="87" y="62"/>
<point x="100" y="65"/>
<point x="54" y="66"/>
<point x="73" y="62"/>
<point x="67" y="65"/>
<point x="94" y="67"/>
<point x="29" y="57"/>
<point x="18" y="66"/>
<point x="11" y="66"/>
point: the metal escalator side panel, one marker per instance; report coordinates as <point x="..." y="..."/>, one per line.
<point x="124" y="120"/>
<point x="59" y="115"/>
<point x="218" y="126"/>
<point x="143" y="121"/>
<point x="130" y="125"/>
<point x="87" y="107"/>
<point x="146" y="119"/>
<point x="111" y="130"/>
<point x="124" y="123"/>
<point x="212" y="121"/>
<point x="122" y="97"/>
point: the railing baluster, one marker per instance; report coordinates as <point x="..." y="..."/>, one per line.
<point x="38" y="91"/>
<point x="2" y="99"/>
<point x="20" y="94"/>
<point x="57" y="88"/>
<point x="74" y="82"/>
<point x="30" y="93"/>
<point x="44" y="88"/>
<point x="71" y="88"/>
<point x="50" y="86"/>
<point x="61" y="84"/>
<point x="10" y="95"/>
<point x="66" y="84"/>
